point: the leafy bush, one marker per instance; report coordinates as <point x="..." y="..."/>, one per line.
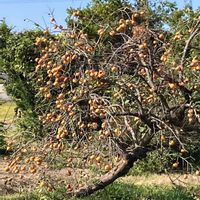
<point x="2" y="140"/>
<point x="17" y="60"/>
<point x="155" y="162"/>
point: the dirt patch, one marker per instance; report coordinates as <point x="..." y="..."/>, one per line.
<point x="17" y="182"/>
<point x="14" y="183"/>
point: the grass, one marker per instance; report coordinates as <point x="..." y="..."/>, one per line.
<point x="7" y="111"/>
<point x="116" y="191"/>
<point x="7" y="114"/>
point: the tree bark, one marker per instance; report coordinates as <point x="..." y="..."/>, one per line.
<point x="130" y="158"/>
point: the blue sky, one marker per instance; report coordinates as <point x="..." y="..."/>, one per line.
<point x="15" y="11"/>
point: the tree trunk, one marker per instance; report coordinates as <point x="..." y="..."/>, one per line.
<point x="130" y="158"/>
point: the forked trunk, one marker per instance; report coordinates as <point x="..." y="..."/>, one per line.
<point x="130" y="158"/>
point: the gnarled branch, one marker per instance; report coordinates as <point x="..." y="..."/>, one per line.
<point x="121" y="170"/>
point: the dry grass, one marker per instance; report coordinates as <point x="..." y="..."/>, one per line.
<point x="7" y="112"/>
<point x="163" y="179"/>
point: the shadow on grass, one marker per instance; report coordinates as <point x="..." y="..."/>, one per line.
<point x="117" y="191"/>
<point x="121" y="191"/>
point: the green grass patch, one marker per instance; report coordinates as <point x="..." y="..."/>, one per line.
<point x="116" y="191"/>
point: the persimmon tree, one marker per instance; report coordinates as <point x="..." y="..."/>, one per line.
<point x="105" y="106"/>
